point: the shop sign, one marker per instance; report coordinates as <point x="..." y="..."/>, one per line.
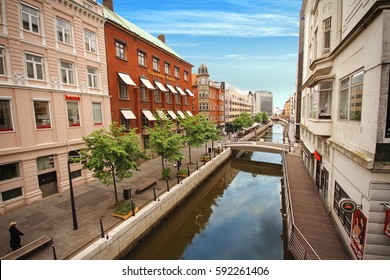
<point x="348" y="205"/>
<point x="317" y="156"/>
<point x="71" y="97"/>
<point x="387" y="223"/>
<point x="358" y="234"/>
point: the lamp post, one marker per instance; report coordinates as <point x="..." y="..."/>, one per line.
<point x="73" y="206"/>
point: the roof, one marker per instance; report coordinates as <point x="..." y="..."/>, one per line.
<point x="112" y="16"/>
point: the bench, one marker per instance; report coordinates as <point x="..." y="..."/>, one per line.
<point x="145" y="186"/>
<point x="27" y="249"/>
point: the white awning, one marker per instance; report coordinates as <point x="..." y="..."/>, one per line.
<point x="161" y="115"/>
<point x="189" y="92"/>
<point x="180" y="113"/>
<point x="189" y="113"/>
<point x="171" y="88"/>
<point x="147" y="83"/>
<point x="172" y="114"/>
<point x="181" y="91"/>
<point x="149" y="115"/>
<point x="161" y="86"/>
<point x="128" y="114"/>
<point x="126" y="78"/>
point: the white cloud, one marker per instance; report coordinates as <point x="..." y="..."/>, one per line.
<point x="214" y="23"/>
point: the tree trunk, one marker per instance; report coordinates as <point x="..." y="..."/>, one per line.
<point x="113" y="179"/>
<point x="189" y="153"/>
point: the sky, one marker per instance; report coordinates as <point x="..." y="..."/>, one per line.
<point x="251" y="44"/>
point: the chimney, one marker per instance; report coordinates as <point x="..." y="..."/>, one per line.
<point x="108" y="4"/>
<point x="161" y="37"/>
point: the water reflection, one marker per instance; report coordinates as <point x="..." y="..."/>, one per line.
<point x="233" y="215"/>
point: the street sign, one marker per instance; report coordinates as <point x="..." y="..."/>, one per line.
<point x="348" y="205"/>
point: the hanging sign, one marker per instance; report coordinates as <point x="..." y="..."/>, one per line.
<point x="387" y="223"/>
<point x="317" y="156"/>
<point x="348" y="205"/>
<point x="358" y="234"/>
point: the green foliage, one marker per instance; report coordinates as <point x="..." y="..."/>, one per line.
<point x="124" y="208"/>
<point x="265" y="116"/>
<point x="258" y="118"/>
<point x="164" y="140"/>
<point x="166" y="173"/>
<point x="111" y="155"/>
<point x="242" y="121"/>
<point x="196" y="129"/>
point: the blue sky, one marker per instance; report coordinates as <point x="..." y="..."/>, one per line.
<point x="251" y="44"/>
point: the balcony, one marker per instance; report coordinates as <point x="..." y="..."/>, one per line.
<point x="320" y="126"/>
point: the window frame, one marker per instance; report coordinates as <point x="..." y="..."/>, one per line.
<point x="90" y="44"/>
<point x="65" y="31"/>
<point x="177" y="72"/>
<point x="73" y="122"/>
<point x="8" y="116"/>
<point x="34" y="66"/>
<point x="156" y="64"/>
<point x="120" y="49"/>
<point x="97" y="115"/>
<point x="327" y="27"/>
<point x="92" y="78"/>
<point x="167" y="68"/>
<point x="69" y="73"/>
<point x="123" y="89"/>
<point x="141" y="58"/>
<point x="346" y="92"/>
<point x="29" y="27"/>
<point x="47" y="124"/>
<point x="3" y="68"/>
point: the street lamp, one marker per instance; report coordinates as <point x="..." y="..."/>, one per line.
<point x="73" y="206"/>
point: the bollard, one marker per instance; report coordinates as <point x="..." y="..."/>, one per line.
<point x="54" y="252"/>
<point x="197" y="166"/>
<point x="101" y="228"/>
<point x="189" y="173"/>
<point x="178" y="179"/>
<point x="132" y="207"/>
<point x="167" y="185"/>
<point x="154" y="193"/>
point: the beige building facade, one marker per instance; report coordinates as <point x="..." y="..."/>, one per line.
<point x="53" y="91"/>
<point x="345" y="120"/>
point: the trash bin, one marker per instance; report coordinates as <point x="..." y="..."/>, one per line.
<point x="209" y="150"/>
<point x="126" y="193"/>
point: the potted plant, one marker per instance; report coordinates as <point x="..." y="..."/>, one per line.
<point x="205" y="158"/>
<point x="183" y="173"/>
<point x="124" y="210"/>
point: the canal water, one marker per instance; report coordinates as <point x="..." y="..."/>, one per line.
<point x="233" y="215"/>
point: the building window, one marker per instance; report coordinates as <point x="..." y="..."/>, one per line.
<point x="125" y="123"/>
<point x="187" y="99"/>
<point x="67" y="72"/>
<point x="141" y="58"/>
<point x="156" y="64"/>
<point x="73" y="113"/>
<point x="9" y="171"/>
<point x="123" y="90"/>
<point x="75" y="174"/>
<point x="327" y="24"/>
<point x="34" y="64"/>
<point x="2" y="61"/>
<point x="10" y="194"/>
<point x="120" y="50"/>
<point x="351" y="96"/>
<point x="89" y="41"/>
<point x="168" y="97"/>
<point x="157" y="96"/>
<point x="167" y="68"/>
<point x="92" y="77"/>
<point x="345" y="218"/>
<point x="178" y="98"/>
<point x="42" y="114"/>
<point x="63" y="31"/>
<point x="30" y="18"/>
<point x="320" y="99"/>
<point x="6" y="122"/>
<point x="177" y="72"/>
<point x="185" y="76"/>
<point x="44" y="163"/>
<point x="97" y="113"/>
<point x="144" y="96"/>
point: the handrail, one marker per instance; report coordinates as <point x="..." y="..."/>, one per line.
<point x="295" y="235"/>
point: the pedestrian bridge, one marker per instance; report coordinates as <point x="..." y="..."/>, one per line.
<point x="259" y="146"/>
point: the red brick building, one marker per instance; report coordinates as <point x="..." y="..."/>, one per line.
<point x="145" y="75"/>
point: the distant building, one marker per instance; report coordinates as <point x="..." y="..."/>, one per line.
<point x="54" y="91"/>
<point x="264" y="102"/>
<point x="210" y="96"/>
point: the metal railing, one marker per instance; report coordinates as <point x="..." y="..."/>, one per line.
<point x="297" y="243"/>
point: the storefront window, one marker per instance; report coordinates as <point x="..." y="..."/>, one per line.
<point x="73" y="113"/>
<point x="44" y="163"/>
<point x="42" y="114"/>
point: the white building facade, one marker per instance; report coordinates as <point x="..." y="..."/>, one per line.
<point x="345" y="120"/>
<point x="53" y="91"/>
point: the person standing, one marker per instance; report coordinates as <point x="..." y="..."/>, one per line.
<point x="15" y="236"/>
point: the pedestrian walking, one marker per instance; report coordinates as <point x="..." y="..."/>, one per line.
<point x="15" y="235"/>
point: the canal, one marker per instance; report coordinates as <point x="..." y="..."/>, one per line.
<point x="233" y="215"/>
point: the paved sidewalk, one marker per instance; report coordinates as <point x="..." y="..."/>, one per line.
<point x="52" y="216"/>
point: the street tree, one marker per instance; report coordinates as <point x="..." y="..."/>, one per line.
<point x="164" y="140"/>
<point x="242" y="121"/>
<point x="111" y="155"/>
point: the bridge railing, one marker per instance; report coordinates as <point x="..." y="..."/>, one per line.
<point x="297" y="243"/>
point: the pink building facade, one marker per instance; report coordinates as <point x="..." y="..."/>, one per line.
<point x="53" y="91"/>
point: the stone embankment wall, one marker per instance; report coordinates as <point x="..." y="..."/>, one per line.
<point x="124" y="235"/>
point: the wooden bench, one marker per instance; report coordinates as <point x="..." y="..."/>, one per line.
<point x="27" y="249"/>
<point x="145" y="186"/>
